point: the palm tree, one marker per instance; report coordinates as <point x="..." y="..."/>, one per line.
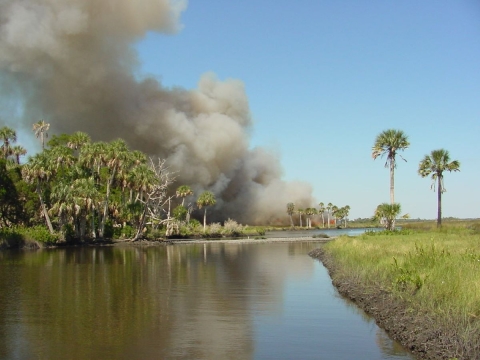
<point x="183" y="191"/>
<point x="309" y="212"/>
<point x="388" y="213"/>
<point x="115" y="156"/>
<point x="290" y="212"/>
<point x="78" y="140"/>
<point x="388" y="143"/>
<point x="300" y="213"/>
<point x="436" y="164"/>
<point x="8" y="136"/>
<point x="329" y="211"/>
<point x="18" y="151"/>
<point x="85" y="196"/>
<point x="334" y="213"/>
<point x="38" y="171"/>
<point x="321" y="210"/>
<point x="61" y="203"/>
<point x="141" y="178"/>
<point x="92" y="157"/>
<point x="205" y="199"/>
<point x="40" y="129"/>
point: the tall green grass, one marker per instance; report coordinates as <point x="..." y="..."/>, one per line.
<point x="435" y="272"/>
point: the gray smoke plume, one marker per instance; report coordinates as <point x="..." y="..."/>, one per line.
<point x="72" y="63"/>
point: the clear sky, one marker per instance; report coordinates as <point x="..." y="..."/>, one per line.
<point x="323" y="78"/>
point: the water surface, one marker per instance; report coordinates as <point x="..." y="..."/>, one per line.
<point x="193" y="301"/>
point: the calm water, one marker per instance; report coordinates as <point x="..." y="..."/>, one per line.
<point x="332" y="232"/>
<point x="215" y="301"/>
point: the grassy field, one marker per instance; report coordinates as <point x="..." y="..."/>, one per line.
<point x="435" y="272"/>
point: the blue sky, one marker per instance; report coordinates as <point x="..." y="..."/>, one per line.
<point x="323" y="78"/>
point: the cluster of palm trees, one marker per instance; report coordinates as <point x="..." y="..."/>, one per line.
<point x="387" y="144"/>
<point x="10" y="152"/>
<point x="84" y="186"/>
<point x="330" y="210"/>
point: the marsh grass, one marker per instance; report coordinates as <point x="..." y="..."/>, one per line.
<point x="436" y="272"/>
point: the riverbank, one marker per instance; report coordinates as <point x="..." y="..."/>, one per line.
<point x="431" y="316"/>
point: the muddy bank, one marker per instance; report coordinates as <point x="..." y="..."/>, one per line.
<point x="419" y="333"/>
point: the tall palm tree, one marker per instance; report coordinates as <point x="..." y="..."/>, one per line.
<point x="436" y="164"/>
<point x="18" y="151"/>
<point x="40" y="129"/>
<point x="329" y="212"/>
<point x="115" y="156"/>
<point x="290" y="212"/>
<point x="388" y="143"/>
<point x="388" y="213"/>
<point x="61" y="203"/>
<point x="207" y="198"/>
<point x="7" y="136"/>
<point x="38" y="171"/>
<point x="321" y="210"/>
<point x="183" y="191"/>
<point x="85" y="196"/>
<point x="309" y="212"/>
<point x="300" y="212"/>
<point x="334" y="213"/>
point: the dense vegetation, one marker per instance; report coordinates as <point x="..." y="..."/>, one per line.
<point x="82" y="190"/>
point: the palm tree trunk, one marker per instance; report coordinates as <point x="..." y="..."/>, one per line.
<point x="392" y="181"/>
<point x="93" y="225"/>
<point x="44" y="209"/>
<point x="439" y="197"/>
<point x="205" y="220"/>
<point x="105" y="208"/>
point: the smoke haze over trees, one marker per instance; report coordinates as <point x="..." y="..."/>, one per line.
<point x="72" y="63"/>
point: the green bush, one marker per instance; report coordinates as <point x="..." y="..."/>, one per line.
<point x="180" y="213"/>
<point x="109" y="231"/>
<point x="123" y="232"/>
<point x="10" y="238"/>
<point x="41" y="234"/>
<point x="260" y="231"/>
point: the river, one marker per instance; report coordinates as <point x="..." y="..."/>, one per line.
<point x="184" y="301"/>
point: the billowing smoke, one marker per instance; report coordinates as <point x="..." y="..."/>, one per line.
<point x="72" y="63"/>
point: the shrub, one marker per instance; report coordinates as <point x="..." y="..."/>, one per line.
<point x="260" y="231"/>
<point x="10" y="238"/>
<point x="180" y="213"/>
<point x="214" y="229"/>
<point x="41" y="234"/>
<point x="321" y="236"/>
<point x="232" y="228"/>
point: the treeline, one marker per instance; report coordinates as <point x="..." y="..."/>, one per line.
<point x="81" y="189"/>
<point x="332" y="214"/>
